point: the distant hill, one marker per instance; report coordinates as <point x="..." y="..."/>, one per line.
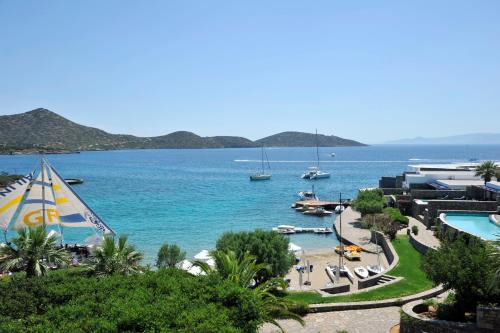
<point x="475" y="138"/>
<point x="300" y="139"/>
<point x="42" y="129"/>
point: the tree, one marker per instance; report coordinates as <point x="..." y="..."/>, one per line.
<point x="111" y="258"/>
<point x="268" y="247"/>
<point x="243" y="272"/>
<point x="369" y="201"/>
<point x="32" y="251"/>
<point x="486" y="171"/>
<point x="466" y="266"/>
<point x="169" y="256"/>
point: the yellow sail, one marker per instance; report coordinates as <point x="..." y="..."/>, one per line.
<point x="10" y="198"/>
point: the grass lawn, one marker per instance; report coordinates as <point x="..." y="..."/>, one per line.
<point x="408" y="267"/>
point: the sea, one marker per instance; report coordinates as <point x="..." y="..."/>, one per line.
<point x="190" y="197"/>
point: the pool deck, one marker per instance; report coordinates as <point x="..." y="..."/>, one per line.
<point x="353" y="233"/>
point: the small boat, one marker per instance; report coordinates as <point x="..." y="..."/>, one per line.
<point x="361" y="272"/>
<point x="332" y="154"/>
<point x="73" y="181"/>
<point x="323" y="231"/>
<point x="331" y="273"/>
<point x="344" y="271"/>
<point x="315" y="172"/>
<point x="374" y="269"/>
<point x="318" y="211"/>
<point x="285" y="229"/>
<point x="339" y="209"/>
<point x="308" y="195"/>
<point x="353" y="255"/>
<point x="348" y="248"/>
<point x="262" y="174"/>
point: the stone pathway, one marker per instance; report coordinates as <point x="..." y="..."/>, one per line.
<point x="352" y="231"/>
<point x="353" y="321"/>
<point x="425" y="236"/>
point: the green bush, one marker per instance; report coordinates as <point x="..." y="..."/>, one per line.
<point x="267" y="247"/>
<point x="369" y="201"/>
<point x="163" y="301"/>
<point x="169" y="256"/>
<point x="414" y="229"/>
<point x="396" y="215"/>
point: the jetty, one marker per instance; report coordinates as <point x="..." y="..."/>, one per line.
<point x="329" y="205"/>
<point x="290" y="229"/>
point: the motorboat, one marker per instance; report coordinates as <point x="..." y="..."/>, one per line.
<point x="318" y="211"/>
<point x="352" y="255"/>
<point x="285" y="229"/>
<point x="323" y="230"/>
<point x="339" y="209"/>
<point x="374" y="269"/>
<point x="262" y="174"/>
<point x="303" y="208"/>
<point x="315" y="173"/>
<point x="332" y="154"/>
<point x="307" y="195"/>
<point x="361" y="272"/>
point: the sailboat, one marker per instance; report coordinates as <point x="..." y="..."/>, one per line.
<point x="315" y="172"/>
<point x="46" y="201"/>
<point x="262" y="175"/>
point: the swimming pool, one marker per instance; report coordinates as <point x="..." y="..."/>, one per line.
<point x="477" y="224"/>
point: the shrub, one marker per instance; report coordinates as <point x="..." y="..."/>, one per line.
<point x="162" y="301"/>
<point x="396" y="215"/>
<point x="466" y="266"/>
<point x="414" y="229"/>
<point x="169" y="256"/>
<point x="369" y="201"/>
<point x="268" y="247"/>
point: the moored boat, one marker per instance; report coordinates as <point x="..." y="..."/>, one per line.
<point x="374" y="269"/>
<point x="285" y="229"/>
<point x="315" y="172"/>
<point x="318" y="211"/>
<point x="353" y="255"/>
<point x="262" y="174"/>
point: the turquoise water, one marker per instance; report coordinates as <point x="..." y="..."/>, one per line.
<point x="475" y="224"/>
<point x="191" y="197"/>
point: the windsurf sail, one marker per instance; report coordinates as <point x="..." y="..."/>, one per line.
<point x="73" y="211"/>
<point x="39" y="208"/>
<point x="10" y="198"/>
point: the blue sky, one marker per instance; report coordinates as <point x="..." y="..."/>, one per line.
<point x="367" y="70"/>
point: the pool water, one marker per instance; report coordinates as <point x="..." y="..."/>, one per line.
<point x="476" y="224"/>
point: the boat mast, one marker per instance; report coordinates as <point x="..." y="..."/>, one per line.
<point x="262" y="158"/>
<point x="317" y="148"/>
<point x="340" y="232"/>
<point x="43" y="189"/>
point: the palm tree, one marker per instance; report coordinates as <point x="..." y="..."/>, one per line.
<point x="243" y="271"/>
<point x="486" y="171"/>
<point x="32" y="251"/>
<point x="111" y="258"/>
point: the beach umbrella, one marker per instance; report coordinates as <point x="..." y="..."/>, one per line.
<point x="203" y="255"/>
<point x="294" y="248"/>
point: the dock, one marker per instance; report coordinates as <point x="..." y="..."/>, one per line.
<point x="329" y="205"/>
<point x="298" y="230"/>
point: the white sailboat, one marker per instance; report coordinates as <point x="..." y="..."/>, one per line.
<point x="262" y="175"/>
<point x="46" y="201"/>
<point x="315" y="172"/>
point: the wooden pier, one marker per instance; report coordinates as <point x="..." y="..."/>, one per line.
<point x="329" y="205"/>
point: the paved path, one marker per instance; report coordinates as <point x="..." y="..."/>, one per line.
<point x="352" y="231"/>
<point x="353" y="321"/>
<point x="425" y="236"/>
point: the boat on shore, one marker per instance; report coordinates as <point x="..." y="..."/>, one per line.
<point x="361" y="272"/>
<point x="352" y="255"/>
<point x="374" y="269"/>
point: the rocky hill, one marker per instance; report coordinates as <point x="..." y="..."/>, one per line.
<point x="42" y="129"/>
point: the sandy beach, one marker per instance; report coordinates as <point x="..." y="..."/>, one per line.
<point x="319" y="259"/>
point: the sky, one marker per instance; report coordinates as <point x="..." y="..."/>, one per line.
<point x="366" y="70"/>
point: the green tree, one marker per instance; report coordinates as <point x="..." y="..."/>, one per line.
<point x="243" y="271"/>
<point x="369" y="201"/>
<point x="32" y="251"/>
<point x="169" y="256"/>
<point x="119" y="257"/>
<point x="486" y="171"/>
<point x="268" y="247"/>
<point x="466" y="266"/>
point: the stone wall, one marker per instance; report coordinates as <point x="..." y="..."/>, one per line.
<point x="435" y="207"/>
<point x="420" y="247"/>
<point x="341" y="288"/>
<point x="411" y="322"/>
<point x="437" y="194"/>
<point x="488" y="317"/>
